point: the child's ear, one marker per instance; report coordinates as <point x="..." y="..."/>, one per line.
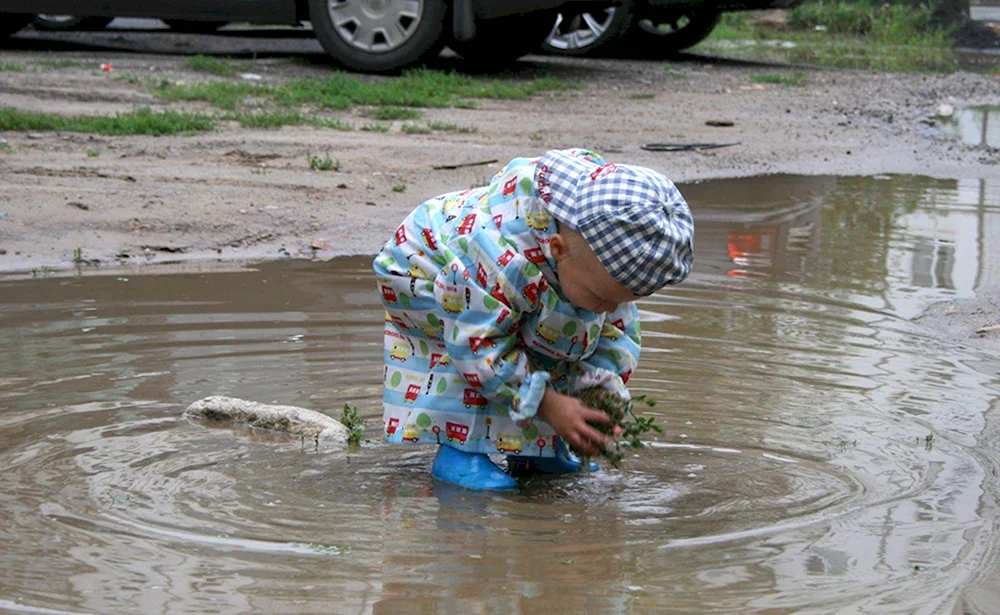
<point x="558" y="248"/>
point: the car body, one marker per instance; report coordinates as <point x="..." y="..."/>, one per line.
<point x="646" y="28"/>
<point x="363" y="35"/>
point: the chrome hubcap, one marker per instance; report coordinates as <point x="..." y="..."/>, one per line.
<point x="376" y="26"/>
<point x="580" y="30"/>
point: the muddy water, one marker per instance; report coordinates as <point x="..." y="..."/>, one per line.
<point x="822" y="452"/>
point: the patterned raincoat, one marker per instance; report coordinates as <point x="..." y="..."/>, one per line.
<point x="476" y="326"/>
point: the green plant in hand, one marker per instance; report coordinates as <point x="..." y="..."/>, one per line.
<point x="623" y="414"/>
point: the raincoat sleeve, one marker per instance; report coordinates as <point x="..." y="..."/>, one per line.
<point x="616" y="356"/>
<point x="480" y="293"/>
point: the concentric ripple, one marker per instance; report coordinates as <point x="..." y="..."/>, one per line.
<point x="821" y="451"/>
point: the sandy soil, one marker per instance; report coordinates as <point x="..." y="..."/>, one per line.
<point x="240" y="193"/>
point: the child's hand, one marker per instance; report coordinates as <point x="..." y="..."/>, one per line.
<point x="571" y="419"/>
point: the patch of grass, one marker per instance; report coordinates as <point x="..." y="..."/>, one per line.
<point x="93" y="153"/>
<point x="375" y="128"/>
<point x="60" y="63"/>
<point x="334" y="123"/>
<point x="7" y="67"/>
<point x="5" y="148"/>
<point x="268" y="119"/>
<point x="447" y="127"/>
<point x="862" y="34"/>
<point x="415" y="129"/>
<point x="214" y="66"/>
<point x="795" y="79"/>
<point x="416" y="88"/>
<point x="130" y="79"/>
<point x="399" y="188"/>
<point x="354" y="423"/>
<point x="138" y="122"/>
<point x="679" y="74"/>
<point x="642" y="96"/>
<point x="393" y="113"/>
<point x="323" y="164"/>
<point x="78" y="255"/>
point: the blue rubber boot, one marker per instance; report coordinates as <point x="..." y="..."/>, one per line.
<point x="470" y="470"/>
<point x="565" y="462"/>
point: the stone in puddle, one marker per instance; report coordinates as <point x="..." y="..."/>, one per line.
<point x="285" y="419"/>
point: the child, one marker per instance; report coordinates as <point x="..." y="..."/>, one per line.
<point x="502" y="302"/>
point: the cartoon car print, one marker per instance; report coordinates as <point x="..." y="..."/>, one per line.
<point x="456" y="432"/>
<point x="498" y="220"/>
<point x="466" y="227"/>
<point x="451" y="303"/>
<point x="547" y="333"/>
<point x="474" y="380"/>
<point x="412" y="392"/>
<point x="475" y="343"/>
<point x="388" y="294"/>
<point x="429" y="238"/>
<point x="481" y="275"/>
<point x="497" y="293"/>
<point x="504" y="259"/>
<point x="439" y="359"/>
<point x="416" y="272"/>
<point x="391" y="427"/>
<point x="399" y="322"/>
<point x="411" y="433"/>
<point x="610" y="331"/>
<point x="510" y="186"/>
<point x="429" y="330"/>
<point x="400" y="236"/>
<point x="400" y="351"/>
<point x="472" y="398"/>
<point x="530" y="292"/>
<point x="538" y="222"/>
<point x="510" y="443"/>
<point x="535" y="255"/>
<point x="504" y="313"/>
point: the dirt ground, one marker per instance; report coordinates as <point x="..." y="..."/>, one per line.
<point x="236" y="193"/>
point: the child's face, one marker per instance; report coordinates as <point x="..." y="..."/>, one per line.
<point x="584" y="280"/>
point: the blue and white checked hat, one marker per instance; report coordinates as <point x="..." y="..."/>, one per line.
<point x="633" y="218"/>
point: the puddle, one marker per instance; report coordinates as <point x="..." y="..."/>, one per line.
<point x="821" y="451"/>
<point x="975" y="125"/>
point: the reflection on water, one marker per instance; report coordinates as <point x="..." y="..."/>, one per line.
<point x="821" y="451"/>
<point x="976" y="125"/>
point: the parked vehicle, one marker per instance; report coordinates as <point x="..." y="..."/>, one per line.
<point x="363" y="35"/>
<point x="648" y="28"/>
<point x="45" y="21"/>
<point x="65" y="23"/>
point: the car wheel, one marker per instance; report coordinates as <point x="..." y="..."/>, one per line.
<point x="665" y="32"/>
<point x="44" y="21"/>
<point x="194" y="27"/>
<point x="583" y="32"/>
<point x="380" y="35"/>
<point x="13" y="22"/>
<point x="498" y="42"/>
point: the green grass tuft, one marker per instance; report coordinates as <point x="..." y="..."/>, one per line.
<point x="138" y="122"/>
<point x="393" y="113"/>
<point x="214" y="66"/>
<point x="795" y="79"/>
<point x="7" y="67"/>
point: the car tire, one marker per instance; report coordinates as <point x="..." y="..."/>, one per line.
<point x="663" y="33"/>
<point x="11" y="23"/>
<point x="65" y="23"/>
<point x="194" y="27"/>
<point x="583" y="32"/>
<point x="361" y="40"/>
<point x="494" y="46"/>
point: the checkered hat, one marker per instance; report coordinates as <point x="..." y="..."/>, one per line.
<point x="633" y="218"/>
